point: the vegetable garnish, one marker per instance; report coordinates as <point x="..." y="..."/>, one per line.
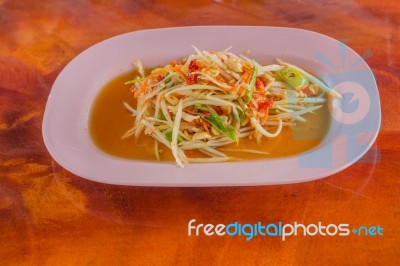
<point x="211" y="99"/>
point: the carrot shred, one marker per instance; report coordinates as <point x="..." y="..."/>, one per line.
<point x="205" y="126"/>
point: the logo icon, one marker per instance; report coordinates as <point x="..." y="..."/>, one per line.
<point x="351" y="113"/>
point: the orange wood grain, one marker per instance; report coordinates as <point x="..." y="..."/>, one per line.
<point x="51" y="217"/>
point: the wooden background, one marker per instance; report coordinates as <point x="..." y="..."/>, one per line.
<point x="51" y="217"/>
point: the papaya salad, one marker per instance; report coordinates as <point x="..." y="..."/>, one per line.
<point x="211" y="99"/>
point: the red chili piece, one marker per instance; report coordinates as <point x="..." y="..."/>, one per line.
<point x="264" y="103"/>
<point x="192" y="78"/>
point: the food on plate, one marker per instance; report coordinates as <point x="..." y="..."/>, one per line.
<point x="210" y="101"/>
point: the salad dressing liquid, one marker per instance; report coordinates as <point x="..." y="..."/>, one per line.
<point x="109" y="120"/>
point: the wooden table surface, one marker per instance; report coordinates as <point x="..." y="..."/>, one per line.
<point x="49" y="216"/>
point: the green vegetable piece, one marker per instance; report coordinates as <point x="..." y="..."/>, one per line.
<point x="216" y="121"/>
<point x="249" y="93"/>
<point x="292" y="77"/>
<point x="168" y="136"/>
<point x="137" y="79"/>
<point x="166" y="80"/>
<point x="161" y="116"/>
<point x="201" y="107"/>
<point x="130" y="82"/>
<point x="241" y="115"/>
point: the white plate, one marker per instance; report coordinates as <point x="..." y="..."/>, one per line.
<point x="352" y="132"/>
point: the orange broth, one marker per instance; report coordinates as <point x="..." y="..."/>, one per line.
<point x="109" y="120"/>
